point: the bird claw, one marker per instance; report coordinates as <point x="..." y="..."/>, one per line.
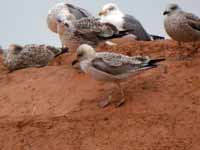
<point x="104" y="103"/>
<point x="187" y="57"/>
<point x="184" y="58"/>
<point x="120" y="103"/>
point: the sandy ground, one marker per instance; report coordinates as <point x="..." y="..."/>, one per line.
<point x="55" y="107"/>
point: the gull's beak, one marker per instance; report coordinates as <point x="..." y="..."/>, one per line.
<point x="58" y="19"/>
<point x="165" y="13"/>
<point x="102" y="13"/>
<point x="75" y="62"/>
<point x="66" y="24"/>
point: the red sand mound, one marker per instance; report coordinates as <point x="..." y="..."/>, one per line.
<point x="55" y="107"/>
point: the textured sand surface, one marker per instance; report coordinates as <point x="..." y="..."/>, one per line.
<point x="55" y="107"/>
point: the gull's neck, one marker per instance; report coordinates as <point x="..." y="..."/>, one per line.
<point x="116" y="13"/>
<point x="115" y="18"/>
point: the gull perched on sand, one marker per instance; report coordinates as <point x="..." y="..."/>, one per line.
<point x="63" y="12"/>
<point x="110" y="13"/>
<point x="18" y="57"/>
<point x="180" y="25"/>
<point x="111" y="67"/>
<point x="91" y="31"/>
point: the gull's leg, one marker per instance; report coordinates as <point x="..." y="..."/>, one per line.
<point x="180" y="53"/>
<point x="106" y="100"/>
<point x="105" y="103"/>
<point x="195" y="49"/>
<point x="180" y="56"/>
<point x="179" y="44"/>
<point x="186" y="56"/>
<point x="122" y="99"/>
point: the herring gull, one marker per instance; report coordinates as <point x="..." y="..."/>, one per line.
<point x="111" y="67"/>
<point x="110" y="13"/>
<point x="18" y="57"/>
<point x="182" y="26"/>
<point x="65" y="11"/>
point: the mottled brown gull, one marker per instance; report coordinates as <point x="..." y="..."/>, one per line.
<point x="32" y="55"/>
<point x="91" y="31"/>
<point x="65" y="11"/>
<point x="181" y="26"/>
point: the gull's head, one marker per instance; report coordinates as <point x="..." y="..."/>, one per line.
<point x="67" y="20"/>
<point x="109" y="9"/>
<point x="85" y="51"/>
<point x="14" y="48"/>
<point x="171" y="9"/>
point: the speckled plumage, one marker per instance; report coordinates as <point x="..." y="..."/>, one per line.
<point x="111" y="64"/>
<point x="115" y="59"/>
<point x="18" y="57"/>
<point x="180" y="25"/>
<point x="91" y="31"/>
<point x="110" y="13"/>
<point x="88" y="25"/>
<point x="66" y="13"/>
<point x="111" y="67"/>
<point x="62" y="11"/>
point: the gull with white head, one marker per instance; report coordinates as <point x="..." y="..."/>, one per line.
<point x="111" y="67"/>
<point x="181" y="26"/>
<point x="110" y="13"/>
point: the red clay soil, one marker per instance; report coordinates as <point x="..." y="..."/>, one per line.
<point x="55" y="107"/>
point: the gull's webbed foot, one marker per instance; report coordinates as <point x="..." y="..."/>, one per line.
<point x="120" y="102"/>
<point x="105" y="103"/>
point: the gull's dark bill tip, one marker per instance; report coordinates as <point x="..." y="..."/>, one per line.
<point x="74" y="62"/>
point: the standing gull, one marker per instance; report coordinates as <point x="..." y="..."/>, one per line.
<point x="63" y="12"/>
<point x="18" y="57"/>
<point x="110" y="13"/>
<point x="111" y="67"/>
<point x="181" y="26"/>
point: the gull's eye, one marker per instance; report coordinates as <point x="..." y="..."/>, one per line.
<point x="112" y="8"/>
<point x="66" y="24"/>
<point x="174" y="7"/>
<point x="80" y="55"/>
<point x="18" y="48"/>
<point x="59" y="20"/>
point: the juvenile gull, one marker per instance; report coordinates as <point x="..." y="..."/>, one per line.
<point x="18" y="57"/>
<point x="91" y="31"/>
<point x="64" y="11"/>
<point x="110" y="13"/>
<point x="111" y="67"/>
<point x="180" y="25"/>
